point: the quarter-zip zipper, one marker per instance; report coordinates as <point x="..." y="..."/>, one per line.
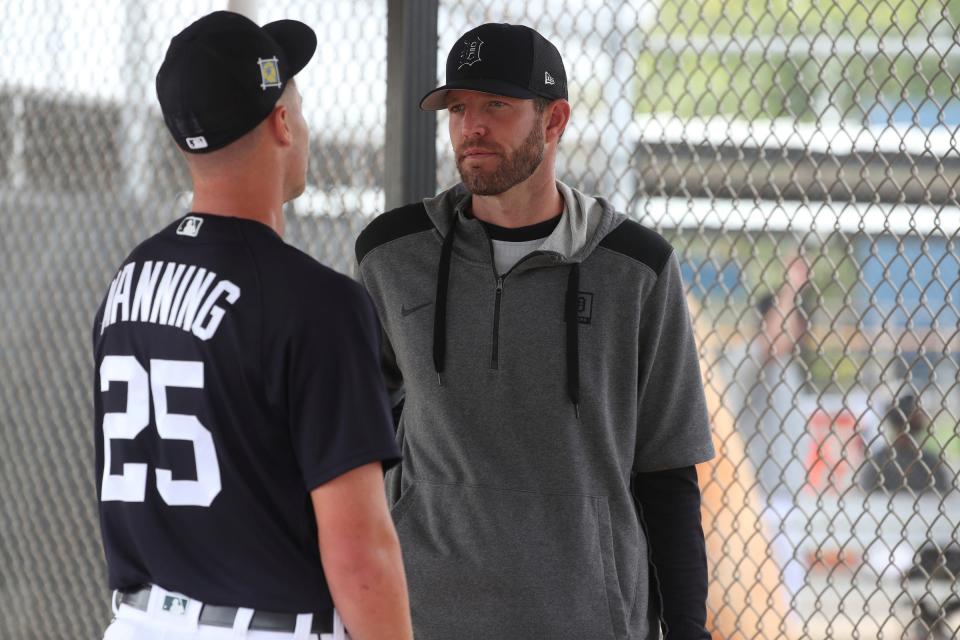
<point x="495" y="357"/>
<point x="495" y="351"/>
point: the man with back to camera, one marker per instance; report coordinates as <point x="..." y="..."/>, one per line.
<point x="241" y="422"/>
<point x="552" y="402"/>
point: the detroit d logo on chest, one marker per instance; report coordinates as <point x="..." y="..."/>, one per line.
<point x="470" y="52"/>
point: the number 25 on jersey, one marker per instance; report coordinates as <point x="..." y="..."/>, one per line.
<point x="131" y="485"/>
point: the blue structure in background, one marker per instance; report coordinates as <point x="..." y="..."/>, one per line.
<point x="928" y="113"/>
<point x="909" y="283"/>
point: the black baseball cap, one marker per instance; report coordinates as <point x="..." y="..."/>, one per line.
<point x="223" y="75"/>
<point x="505" y="59"/>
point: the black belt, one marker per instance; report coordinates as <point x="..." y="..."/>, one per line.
<point x="219" y="616"/>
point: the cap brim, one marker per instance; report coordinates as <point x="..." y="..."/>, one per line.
<point x="299" y="42"/>
<point x="436" y="100"/>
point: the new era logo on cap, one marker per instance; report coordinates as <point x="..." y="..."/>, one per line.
<point x="548" y="79"/>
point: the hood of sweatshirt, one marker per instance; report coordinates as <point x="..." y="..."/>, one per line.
<point x="585" y="221"/>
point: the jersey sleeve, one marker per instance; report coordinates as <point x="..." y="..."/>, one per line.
<point x="673" y="429"/>
<point x="339" y="414"/>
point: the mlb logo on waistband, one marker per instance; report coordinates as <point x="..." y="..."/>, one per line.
<point x="190" y="227"/>
<point x="175" y="605"/>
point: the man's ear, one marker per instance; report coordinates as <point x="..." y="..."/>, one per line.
<point x="558" y="115"/>
<point x="279" y="125"/>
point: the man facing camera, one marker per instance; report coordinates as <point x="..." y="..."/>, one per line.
<point x="539" y="353"/>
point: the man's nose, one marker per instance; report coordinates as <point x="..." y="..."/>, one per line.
<point x="473" y="124"/>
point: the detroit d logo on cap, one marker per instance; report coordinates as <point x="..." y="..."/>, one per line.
<point x="470" y="52"/>
<point x="269" y="73"/>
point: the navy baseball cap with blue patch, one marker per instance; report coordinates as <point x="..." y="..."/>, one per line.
<point x="223" y="75"/>
<point x="503" y="59"/>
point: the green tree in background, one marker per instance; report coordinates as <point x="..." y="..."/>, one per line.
<point x="802" y="60"/>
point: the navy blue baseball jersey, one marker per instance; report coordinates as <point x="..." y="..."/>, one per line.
<point x="233" y="375"/>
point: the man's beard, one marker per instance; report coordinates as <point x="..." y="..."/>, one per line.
<point x="513" y="169"/>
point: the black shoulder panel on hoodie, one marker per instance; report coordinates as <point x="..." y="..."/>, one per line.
<point x="636" y="241"/>
<point x="392" y="225"/>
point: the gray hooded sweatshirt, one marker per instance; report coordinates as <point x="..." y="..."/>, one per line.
<point x="531" y="402"/>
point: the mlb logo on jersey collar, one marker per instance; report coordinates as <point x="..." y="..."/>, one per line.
<point x="190" y="226"/>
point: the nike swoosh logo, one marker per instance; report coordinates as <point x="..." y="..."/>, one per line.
<point x="404" y="311"/>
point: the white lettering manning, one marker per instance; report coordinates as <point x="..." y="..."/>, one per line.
<point x="169" y="294"/>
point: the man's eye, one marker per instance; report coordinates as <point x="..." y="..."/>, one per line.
<point x="457" y="108"/>
<point x="497" y="103"/>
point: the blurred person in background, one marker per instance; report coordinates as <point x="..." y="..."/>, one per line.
<point x="904" y="463"/>
<point x="768" y="380"/>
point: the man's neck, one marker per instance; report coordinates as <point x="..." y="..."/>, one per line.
<point x="241" y="202"/>
<point x="534" y="200"/>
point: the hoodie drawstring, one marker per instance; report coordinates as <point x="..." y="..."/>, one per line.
<point x="571" y="314"/>
<point x="440" y="308"/>
<point x="573" y="337"/>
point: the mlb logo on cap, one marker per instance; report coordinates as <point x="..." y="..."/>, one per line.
<point x="197" y="142"/>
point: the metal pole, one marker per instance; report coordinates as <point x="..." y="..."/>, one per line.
<point x="140" y="92"/>
<point x="246" y="7"/>
<point x="410" y="141"/>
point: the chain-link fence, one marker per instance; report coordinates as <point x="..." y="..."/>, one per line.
<point x="800" y="156"/>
